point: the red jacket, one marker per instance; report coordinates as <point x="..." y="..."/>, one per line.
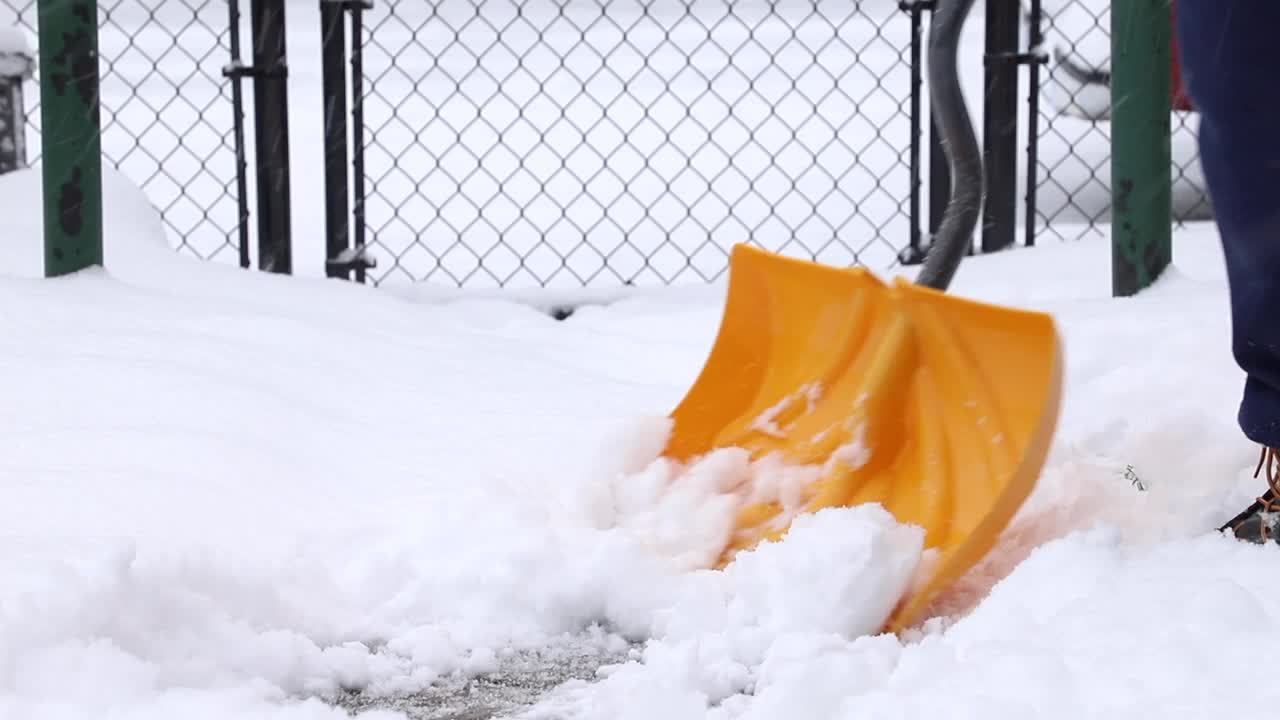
<point x="1181" y="100"/>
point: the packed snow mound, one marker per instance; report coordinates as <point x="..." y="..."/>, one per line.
<point x="132" y="227"/>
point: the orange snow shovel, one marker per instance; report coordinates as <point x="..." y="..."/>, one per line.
<point x="939" y="408"/>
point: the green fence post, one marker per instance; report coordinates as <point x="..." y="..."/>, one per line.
<point x="1141" y="105"/>
<point x="70" y="135"/>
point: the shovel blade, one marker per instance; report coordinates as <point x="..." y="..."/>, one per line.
<point x="940" y="409"/>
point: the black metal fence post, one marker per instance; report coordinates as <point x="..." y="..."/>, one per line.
<point x="16" y="67"/>
<point x="333" y="28"/>
<point x="1000" y="125"/>
<point x="913" y="254"/>
<point x="345" y="250"/>
<point x="235" y="71"/>
<point x="271" y="107"/>
<point x="1035" y="57"/>
<point x="364" y="261"/>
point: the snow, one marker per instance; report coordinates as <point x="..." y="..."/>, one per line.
<point x="767" y="422"/>
<point x="17" y="56"/>
<point x="14" y="41"/>
<point x="235" y="494"/>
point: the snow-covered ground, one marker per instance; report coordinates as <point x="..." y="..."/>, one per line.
<point x="234" y="495"/>
<point x="226" y="494"/>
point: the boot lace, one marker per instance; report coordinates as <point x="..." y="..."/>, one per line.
<point x="1270" y="458"/>
<point x="1269" y="502"/>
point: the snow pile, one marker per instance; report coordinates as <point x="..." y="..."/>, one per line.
<point x="133" y="233"/>
<point x="1087" y="627"/>
<point x="836" y="576"/>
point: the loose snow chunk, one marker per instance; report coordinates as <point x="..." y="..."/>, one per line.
<point x="767" y="421"/>
<point x="853" y="454"/>
<point x="684" y="513"/>
<point x="839" y="570"/>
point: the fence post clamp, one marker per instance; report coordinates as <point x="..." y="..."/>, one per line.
<point x="350" y="5"/>
<point x="237" y="70"/>
<point x="352" y="258"/>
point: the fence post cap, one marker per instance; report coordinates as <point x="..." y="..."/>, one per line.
<point x="17" y="56"/>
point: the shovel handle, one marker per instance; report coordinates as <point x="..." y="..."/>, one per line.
<point x="960" y="143"/>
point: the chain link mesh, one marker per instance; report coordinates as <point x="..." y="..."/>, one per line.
<point x="606" y="142"/>
<point x="597" y="143"/>
<point x="166" y="112"/>
<point x="603" y="142"/>
<point x="1073" y="193"/>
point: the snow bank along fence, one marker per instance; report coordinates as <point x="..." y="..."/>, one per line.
<point x="594" y="142"/>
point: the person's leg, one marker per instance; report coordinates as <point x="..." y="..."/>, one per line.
<point x="1230" y="53"/>
<point x="1230" y="57"/>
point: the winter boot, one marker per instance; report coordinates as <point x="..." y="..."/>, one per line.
<point x="1260" y="522"/>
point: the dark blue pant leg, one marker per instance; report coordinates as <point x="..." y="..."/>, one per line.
<point x="1230" y="52"/>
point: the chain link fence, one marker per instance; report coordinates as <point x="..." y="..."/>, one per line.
<point x="166" y="112"/>
<point x="609" y="142"/>
<point x="619" y="141"/>
<point x="606" y="142"/>
<point x="1074" y="189"/>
